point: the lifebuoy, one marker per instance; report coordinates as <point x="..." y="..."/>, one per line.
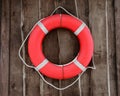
<point x="48" y="68"/>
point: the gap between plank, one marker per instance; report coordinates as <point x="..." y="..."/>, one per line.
<point x="107" y="47"/>
<point x="23" y="50"/>
<point x="41" y="81"/>
<point x="79" y="81"/>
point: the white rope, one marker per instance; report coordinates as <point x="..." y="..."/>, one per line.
<point x="19" y="54"/>
<point x="107" y="48"/>
<point x="93" y="64"/>
<point x="23" y="51"/>
<point x="76" y="7"/>
<point x="80" y="89"/>
<point x="60" y="7"/>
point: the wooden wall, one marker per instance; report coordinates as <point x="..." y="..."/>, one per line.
<point x="17" y="18"/>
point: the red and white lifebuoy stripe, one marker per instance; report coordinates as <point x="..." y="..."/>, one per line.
<point x="48" y="68"/>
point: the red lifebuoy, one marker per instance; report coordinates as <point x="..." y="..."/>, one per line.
<point x="48" y="68"/>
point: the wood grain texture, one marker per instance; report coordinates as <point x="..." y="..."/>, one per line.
<point x="64" y="37"/>
<point x="82" y="8"/>
<point x="15" y="41"/>
<point x="60" y="46"/>
<point x="111" y="47"/>
<point x="97" y="10"/>
<point x="117" y="31"/>
<point x="30" y="17"/>
<point x="4" y="47"/>
<point x="69" y="47"/>
<point x="50" y="48"/>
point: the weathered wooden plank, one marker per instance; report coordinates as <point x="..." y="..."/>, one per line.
<point x="93" y="83"/>
<point x="44" y="88"/>
<point x="51" y="51"/>
<point x="70" y="6"/>
<point x="111" y="47"/>
<point x="46" y="8"/>
<point x="68" y="49"/>
<point x="82" y="10"/>
<point x="97" y="19"/>
<point x="15" y="41"/>
<point x="50" y="48"/>
<point x="4" y="46"/>
<point x="0" y="12"/>
<point x="30" y="17"/>
<point x="68" y="46"/>
<point x="117" y="31"/>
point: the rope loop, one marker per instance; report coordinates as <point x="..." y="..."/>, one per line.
<point x="24" y="62"/>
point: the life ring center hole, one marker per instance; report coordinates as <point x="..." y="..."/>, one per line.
<point x="60" y="46"/>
